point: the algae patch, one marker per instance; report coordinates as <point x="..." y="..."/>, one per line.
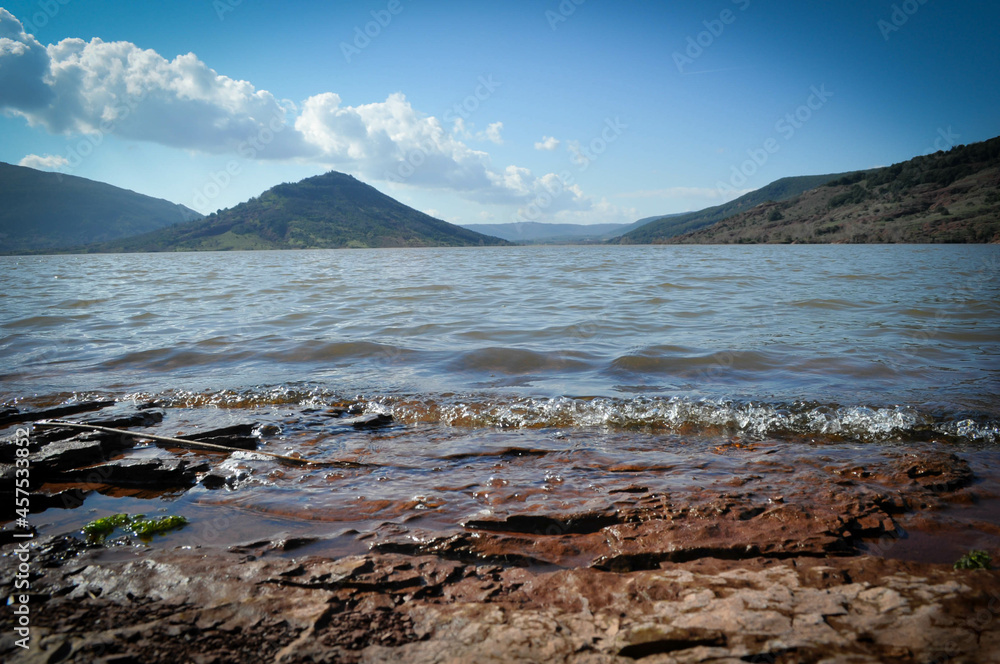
<point x="139" y="526"/>
<point x="975" y="559"/>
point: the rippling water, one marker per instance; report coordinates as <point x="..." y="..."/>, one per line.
<point x="518" y="377"/>
<point x="811" y="334"/>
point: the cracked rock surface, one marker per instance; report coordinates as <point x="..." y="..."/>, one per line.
<point x="223" y="607"/>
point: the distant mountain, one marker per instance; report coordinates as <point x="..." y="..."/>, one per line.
<point x="662" y="229"/>
<point x="532" y="231"/>
<point x="42" y="211"/>
<point x="949" y="196"/>
<point x="324" y="212"/>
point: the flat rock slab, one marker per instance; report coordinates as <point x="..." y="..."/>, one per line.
<point x="15" y="416"/>
<point x="213" y="606"/>
<point x="141" y="473"/>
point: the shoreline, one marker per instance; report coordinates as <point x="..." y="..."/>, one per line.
<point x="784" y="552"/>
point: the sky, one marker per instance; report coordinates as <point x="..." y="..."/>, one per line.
<point x="566" y="111"/>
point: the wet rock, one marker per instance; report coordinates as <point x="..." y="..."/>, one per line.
<point x="39" y="501"/>
<point x="368" y="421"/>
<point x="54" y="551"/>
<point x="542" y="524"/>
<point x="142" y="473"/>
<point x="240" y="436"/>
<point x="9" y="447"/>
<point x="281" y="544"/>
<point x="219" y="478"/>
<point x="633" y="488"/>
<point x="67" y="454"/>
<point x="18" y="417"/>
<point x="465" y="547"/>
<point x="49" y="434"/>
<point x="940" y="472"/>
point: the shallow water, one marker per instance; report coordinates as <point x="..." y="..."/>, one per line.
<point x="575" y="360"/>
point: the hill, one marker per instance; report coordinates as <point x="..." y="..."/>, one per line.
<point x="661" y="230"/>
<point x="949" y="196"/>
<point x="42" y="211"/>
<point x="323" y="212"/>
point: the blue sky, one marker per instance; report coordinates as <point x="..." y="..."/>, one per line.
<point x="491" y="112"/>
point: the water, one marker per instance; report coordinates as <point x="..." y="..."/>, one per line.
<point x="579" y="357"/>
<point x="642" y="327"/>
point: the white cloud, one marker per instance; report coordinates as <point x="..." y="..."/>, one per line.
<point x="23" y="66"/>
<point x="461" y="131"/>
<point x="493" y="133"/>
<point x="49" y="162"/>
<point x="547" y="143"/>
<point x="117" y="88"/>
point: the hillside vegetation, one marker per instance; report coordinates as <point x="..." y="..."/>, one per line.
<point x="42" y="211"/>
<point x="327" y="211"/>
<point x="662" y="229"/>
<point x="949" y="196"/>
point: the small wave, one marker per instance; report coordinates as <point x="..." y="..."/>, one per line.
<point x="322" y="351"/>
<point x="830" y="305"/>
<point x="168" y="359"/>
<point x="41" y="322"/>
<point x="676" y="415"/>
<point x="252" y="397"/>
<point x="677" y="361"/>
<point x="682" y="415"/>
<point x="512" y="361"/>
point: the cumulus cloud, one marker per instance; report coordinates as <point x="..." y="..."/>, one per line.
<point x="547" y="143"/>
<point x="117" y="88"/>
<point x="392" y="141"/>
<point x="24" y="64"/>
<point x="49" y="162"/>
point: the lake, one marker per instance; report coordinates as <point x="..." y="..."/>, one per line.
<point x="597" y="356"/>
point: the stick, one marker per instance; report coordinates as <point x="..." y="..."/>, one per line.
<point x="180" y="442"/>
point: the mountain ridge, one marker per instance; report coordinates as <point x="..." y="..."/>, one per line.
<point x="944" y="197"/>
<point x="43" y="211"/>
<point x="329" y="211"/>
<point x="662" y="228"/>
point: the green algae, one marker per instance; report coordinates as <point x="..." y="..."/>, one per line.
<point x="99" y="529"/>
<point x="975" y="559"/>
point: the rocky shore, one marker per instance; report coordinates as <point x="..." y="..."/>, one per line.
<point x="778" y="563"/>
